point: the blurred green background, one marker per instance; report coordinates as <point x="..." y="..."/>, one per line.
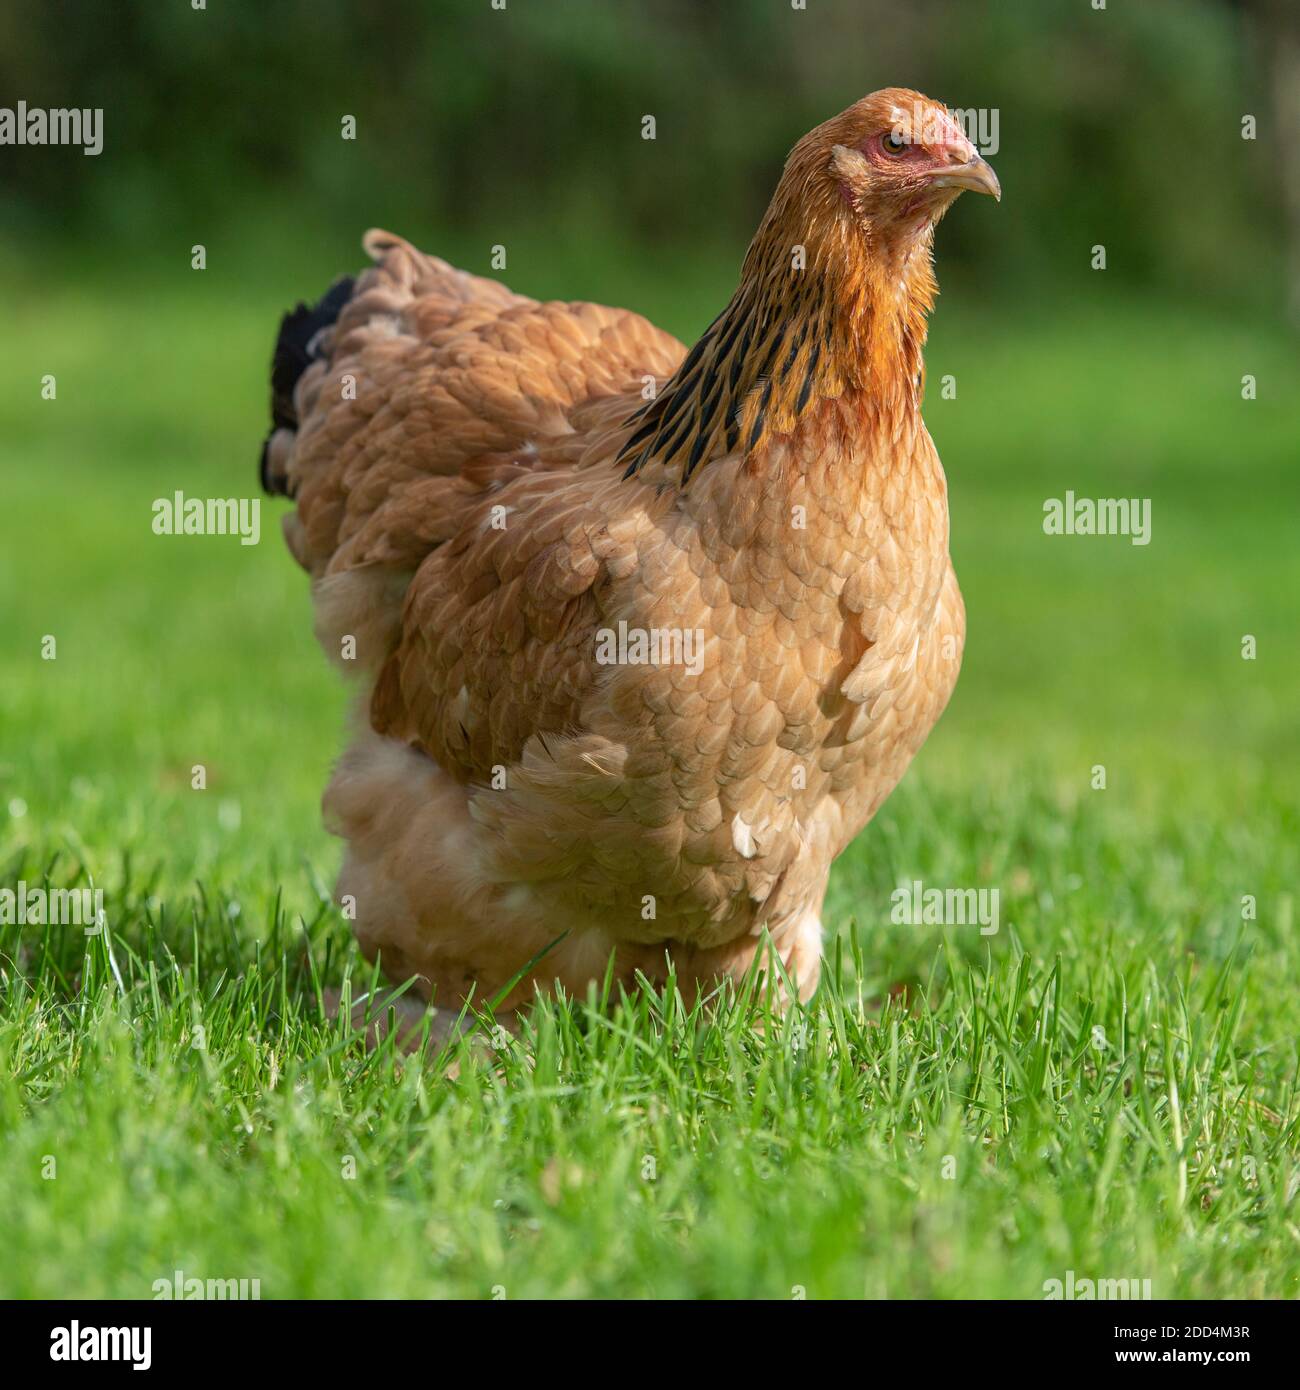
<point x="474" y="125"/>
<point x="522" y="127"/>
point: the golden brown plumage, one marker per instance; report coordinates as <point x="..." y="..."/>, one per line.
<point x="485" y="497"/>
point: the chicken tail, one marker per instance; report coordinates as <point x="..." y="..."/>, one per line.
<point x="296" y="347"/>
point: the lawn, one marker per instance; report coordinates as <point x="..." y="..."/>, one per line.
<point x="1107" y="1085"/>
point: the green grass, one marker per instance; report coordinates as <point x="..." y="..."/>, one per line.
<point x="1106" y="1085"/>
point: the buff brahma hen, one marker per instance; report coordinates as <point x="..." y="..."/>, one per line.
<point x="643" y="636"/>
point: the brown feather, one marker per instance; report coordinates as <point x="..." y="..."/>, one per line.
<point x="468" y="523"/>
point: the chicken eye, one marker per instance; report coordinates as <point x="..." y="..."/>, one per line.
<point x="892" y="144"/>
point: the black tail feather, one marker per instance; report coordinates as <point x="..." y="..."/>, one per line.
<point x="293" y="354"/>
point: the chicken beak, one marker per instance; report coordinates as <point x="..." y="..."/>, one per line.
<point x="975" y="174"/>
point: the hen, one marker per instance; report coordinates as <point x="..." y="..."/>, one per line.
<point x="644" y="637"/>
